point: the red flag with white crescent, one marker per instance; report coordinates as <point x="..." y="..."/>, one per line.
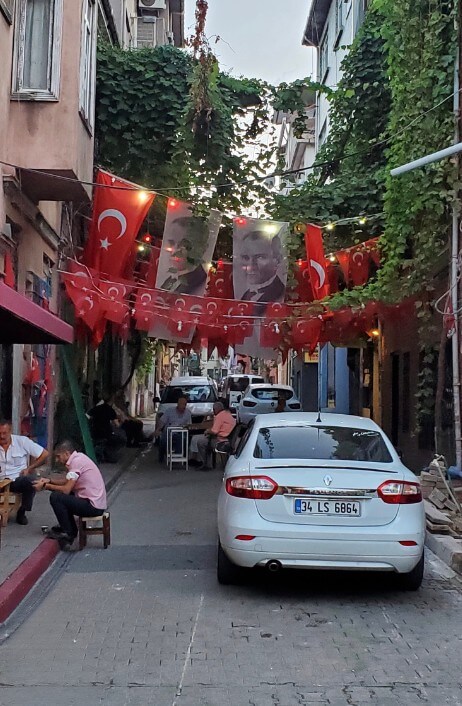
<point x="119" y="209"/>
<point x="317" y="261"/>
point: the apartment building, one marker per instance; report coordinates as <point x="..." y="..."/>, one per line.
<point x="159" y="22"/>
<point x="47" y="101"/>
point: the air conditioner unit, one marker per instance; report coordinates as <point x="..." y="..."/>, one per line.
<point x="152" y="5"/>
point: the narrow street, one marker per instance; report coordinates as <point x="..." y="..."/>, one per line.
<point x="145" y="622"/>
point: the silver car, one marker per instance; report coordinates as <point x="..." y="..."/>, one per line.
<point x="263" y="399"/>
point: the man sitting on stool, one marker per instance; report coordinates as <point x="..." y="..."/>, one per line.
<point x="15" y="454"/>
<point x="81" y="494"/>
<point x="222" y="427"/>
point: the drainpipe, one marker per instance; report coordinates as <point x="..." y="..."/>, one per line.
<point x="454" y="265"/>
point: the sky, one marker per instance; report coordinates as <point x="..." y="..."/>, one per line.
<point x="258" y="38"/>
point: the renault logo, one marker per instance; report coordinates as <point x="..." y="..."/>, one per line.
<point x="328" y="480"/>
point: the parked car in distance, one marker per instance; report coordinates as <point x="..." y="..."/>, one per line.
<point x="327" y="492"/>
<point x="201" y="393"/>
<point x="234" y="387"/>
<point x="263" y="399"/>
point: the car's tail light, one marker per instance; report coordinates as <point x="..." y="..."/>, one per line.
<point x="400" y="492"/>
<point x="253" y="487"/>
<point x="295" y="405"/>
<point x="249" y="403"/>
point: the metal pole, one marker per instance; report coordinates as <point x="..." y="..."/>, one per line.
<point x="455" y="268"/>
<point x="456" y="148"/>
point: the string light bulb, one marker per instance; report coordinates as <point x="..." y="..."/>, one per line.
<point x="172" y="203"/>
<point x="141" y="247"/>
<point x="240" y="221"/>
<point x="147" y="238"/>
<point x="362" y="221"/>
<point x="143" y="196"/>
<point x="330" y="226"/>
<point x="332" y="257"/>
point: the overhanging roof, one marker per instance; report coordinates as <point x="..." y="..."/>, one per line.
<point x="22" y="321"/>
<point x="316" y="22"/>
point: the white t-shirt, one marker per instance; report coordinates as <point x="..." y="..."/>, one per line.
<point x="16" y="458"/>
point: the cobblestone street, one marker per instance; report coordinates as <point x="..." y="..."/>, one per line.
<point x="145" y="622"/>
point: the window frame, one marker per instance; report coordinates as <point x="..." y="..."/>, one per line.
<point x="19" y="91"/>
<point x="339" y="20"/>
<point x="87" y="81"/>
<point x="324" y="56"/>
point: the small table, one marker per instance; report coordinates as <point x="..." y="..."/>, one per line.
<point x="177" y="436"/>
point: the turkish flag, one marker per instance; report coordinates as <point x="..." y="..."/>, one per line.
<point x="317" y="261"/>
<point x="90" y="309"/>
<point x="306" y="333"/>
<point x="359" y="265"/>
<point x="119" y="209"/>
<point x="115" y="304"/>
<point x="8" y="270"/>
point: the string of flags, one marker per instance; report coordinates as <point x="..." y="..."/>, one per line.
<point x="178" y="293"/>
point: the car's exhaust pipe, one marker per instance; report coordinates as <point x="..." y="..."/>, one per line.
<point x="274" y="566"/>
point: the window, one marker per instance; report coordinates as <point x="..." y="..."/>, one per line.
<point x="324" y="57"/>
<point x="88" y="62"/>
<point x="37" y="55"/>
<point x="321" y="443"/>
<point x="272" y="394"/>
<point x="339" y="18"/>
<point x="193" y="393"/>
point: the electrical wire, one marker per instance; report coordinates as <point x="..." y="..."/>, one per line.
<point x="245" y="182"/>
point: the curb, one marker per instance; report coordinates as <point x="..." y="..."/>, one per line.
<point x="446" y="548"/>
<point x="19" y="583"/>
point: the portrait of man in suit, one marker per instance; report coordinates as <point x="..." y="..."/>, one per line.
<point x="261" y="255"/>
<point x="187" y="241"/>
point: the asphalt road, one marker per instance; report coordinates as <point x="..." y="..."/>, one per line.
<point x="145" y="622"/>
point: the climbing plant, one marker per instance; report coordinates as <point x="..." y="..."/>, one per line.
<point x="353" y="180"/>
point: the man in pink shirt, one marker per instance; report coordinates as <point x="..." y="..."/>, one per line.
<point x="223" y="425"/>
<point x="81" y="494"/>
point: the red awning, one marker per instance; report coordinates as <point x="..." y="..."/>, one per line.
<point x="22" y="321"/>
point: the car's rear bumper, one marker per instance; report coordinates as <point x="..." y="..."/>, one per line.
<point x="335" y="554"/>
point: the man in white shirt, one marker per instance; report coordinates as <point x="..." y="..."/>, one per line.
<point x="16" y="454"/>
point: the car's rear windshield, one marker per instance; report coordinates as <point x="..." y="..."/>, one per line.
<point x="271" y="393"/>
<point x="321" y="443"/>
<point x="193" y="393"/>
<point x="238" y="384"/>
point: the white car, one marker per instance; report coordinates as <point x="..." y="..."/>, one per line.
<point x="201" y="393"/>
<point x="327" y="491"/>
<point x="234" y="387"/>
<point x="263" y="399"/>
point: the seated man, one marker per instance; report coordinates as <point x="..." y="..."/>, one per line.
<point x="104" y="427"/>
<point x="179" y="416"/>
<point x="81" y="494"/>
<point x="222" y="427"/>
<point x="14" y="464"/>
<point x="132" y="427"/>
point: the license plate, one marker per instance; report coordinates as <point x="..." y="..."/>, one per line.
<point x="345" y="508"/>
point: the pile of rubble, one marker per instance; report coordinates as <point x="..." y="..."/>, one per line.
<point x="442" y="501"/>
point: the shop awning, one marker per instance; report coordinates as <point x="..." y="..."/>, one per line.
<point x="22" y="321"/>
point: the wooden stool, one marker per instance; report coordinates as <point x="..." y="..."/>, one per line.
<point x="9" y="502"/>
<point x="104" y="529"/>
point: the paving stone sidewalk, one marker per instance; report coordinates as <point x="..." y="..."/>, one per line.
<point x="18" y="542"/>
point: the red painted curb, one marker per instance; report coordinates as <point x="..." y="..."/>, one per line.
<point x="19" y="583"/>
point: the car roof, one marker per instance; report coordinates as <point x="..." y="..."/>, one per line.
<point x="287" y="419"/>
<point x="264" y="385"/>
<point x="189" y="379"/>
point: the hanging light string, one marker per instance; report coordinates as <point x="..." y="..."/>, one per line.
<point x="130" y="186"/>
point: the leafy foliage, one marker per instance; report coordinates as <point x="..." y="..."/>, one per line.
<point x="169" y="121"/>
<point x="353" y="180"/>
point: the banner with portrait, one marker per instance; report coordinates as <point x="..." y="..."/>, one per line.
<point x="185" y="259"/>
<point x="259" y="272"/>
